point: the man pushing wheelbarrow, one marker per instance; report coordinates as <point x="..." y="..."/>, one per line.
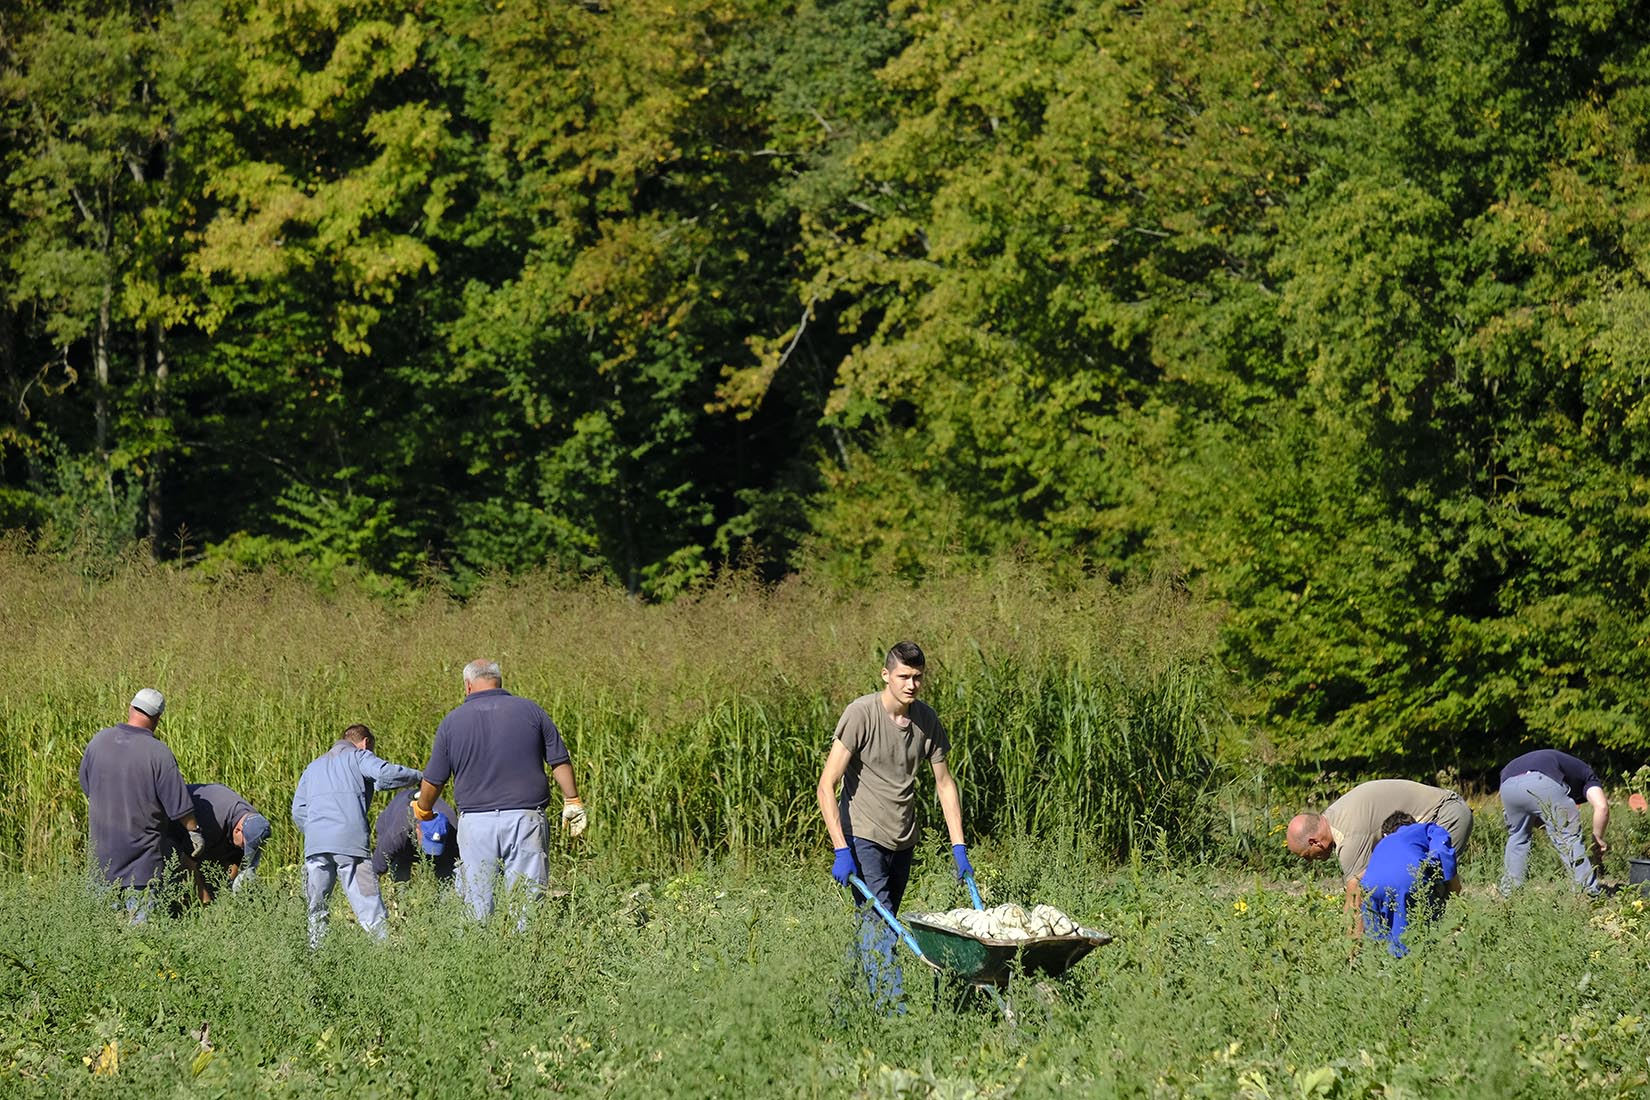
<point x="880" y="741"/>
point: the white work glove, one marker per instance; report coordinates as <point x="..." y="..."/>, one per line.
<point x="573" y="817"/>
<point x="197" y="844"/>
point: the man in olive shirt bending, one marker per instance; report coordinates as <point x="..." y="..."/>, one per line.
<point x="1351" y="825"/>
<point x="880" y="741"/>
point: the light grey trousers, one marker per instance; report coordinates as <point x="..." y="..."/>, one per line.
<point x="1536" y="798"/>
<point x="360" y="884"/>
<point x="516" y="840"/>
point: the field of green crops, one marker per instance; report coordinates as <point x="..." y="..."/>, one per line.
<point x="700" y="948"/>
<point x="729" y="982"/>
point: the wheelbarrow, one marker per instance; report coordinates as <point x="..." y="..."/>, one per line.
<point x="983" y="962"/>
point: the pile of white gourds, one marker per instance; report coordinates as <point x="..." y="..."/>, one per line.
<point x="1006" y="922"/>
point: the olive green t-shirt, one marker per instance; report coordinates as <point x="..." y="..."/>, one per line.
<point x="879" y="787"/>
<point x="1356" y="817"/>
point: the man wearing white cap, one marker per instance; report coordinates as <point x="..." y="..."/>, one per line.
<point x="135" y="799"/>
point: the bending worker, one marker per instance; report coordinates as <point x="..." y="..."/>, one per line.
<point x="234" y="831"/>
<point x="1544" y="788"/>
<point x="1351" y="826"/>
<point x="401" y="838"/>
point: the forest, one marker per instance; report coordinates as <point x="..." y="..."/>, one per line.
<point x="1333" y="316"/>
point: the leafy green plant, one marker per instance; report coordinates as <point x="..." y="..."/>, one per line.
<point x="1633" y="816"/>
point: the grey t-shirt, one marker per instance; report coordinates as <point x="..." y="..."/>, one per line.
<point x="879" y="787"/>
<point x="217" y="810"/>
<point x="134" y="792"/>
<point x="1356" y="817"/>
<point x="495" y="747"/>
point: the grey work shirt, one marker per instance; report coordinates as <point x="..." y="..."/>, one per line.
<point x="495" y="747"/>
<point x="218" y="809"/>
<point x="330" y="805"/>
<point x="134" y="792"/>
<point x="878" y="801"/>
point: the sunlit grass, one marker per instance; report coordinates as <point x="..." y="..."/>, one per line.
<point x="697" y="728"/>
<point x="733" y="981"/>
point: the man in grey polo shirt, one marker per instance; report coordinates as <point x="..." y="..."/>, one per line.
<point x="495" y="747"/>
<point x="235" y="833"/>
<point x="135" y="801"/>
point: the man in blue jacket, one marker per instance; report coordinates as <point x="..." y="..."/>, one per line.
<point x="1408" y="872"/>
<point x="495" y="747"/>
<point x="330" y="809"/>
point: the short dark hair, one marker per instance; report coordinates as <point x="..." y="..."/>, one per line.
<point x="908" y="654"/>
<point x="1395" y="820"/>
<point x="357" y="733"/>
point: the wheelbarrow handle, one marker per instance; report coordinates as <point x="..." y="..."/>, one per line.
<point x="973" y="891"/>
<point x="882" y="911"/>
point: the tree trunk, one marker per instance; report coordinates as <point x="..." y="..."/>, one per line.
<point x="17" y="389"/>
<point x="157" y="460"/>
<point x="100" y="397"/>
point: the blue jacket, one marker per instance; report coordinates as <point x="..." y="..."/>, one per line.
<point x="1397" y="873"/>
<point x="330" y="805"/>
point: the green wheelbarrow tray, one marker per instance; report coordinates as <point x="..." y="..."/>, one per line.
<point x="981" y="960"/>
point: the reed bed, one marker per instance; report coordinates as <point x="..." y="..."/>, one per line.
<point x="697" y="727"/>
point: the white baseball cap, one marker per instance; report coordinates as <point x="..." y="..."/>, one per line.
<point x="150" y="702"/>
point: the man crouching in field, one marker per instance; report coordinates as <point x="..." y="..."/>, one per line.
<point x="1351" y="826"/>
<point x="1407" y="877"/>
<point x="235" y="833"/>
<point x="880" y="741"/>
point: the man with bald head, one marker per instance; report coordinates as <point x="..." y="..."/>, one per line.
<point x="495" y="747"/>
<point x="1351" y="825"/>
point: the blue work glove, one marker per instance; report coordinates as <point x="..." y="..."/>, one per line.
<point x="959" y="852"/>
<point x="842" y="866"/>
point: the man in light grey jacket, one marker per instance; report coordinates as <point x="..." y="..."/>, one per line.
<point x="330" y="808"/>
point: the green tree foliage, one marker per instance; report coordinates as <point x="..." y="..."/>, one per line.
<point x="1335" y="312"/>
<point x="86" y="232"/>
<point x="1071" y="199"/>
<point x="1466" y="568"/>
<point x="1314" y="304"/>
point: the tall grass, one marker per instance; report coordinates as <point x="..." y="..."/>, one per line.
<point x="697" y="728"/>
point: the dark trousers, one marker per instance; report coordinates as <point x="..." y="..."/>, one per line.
<point x="886" y="873"/>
